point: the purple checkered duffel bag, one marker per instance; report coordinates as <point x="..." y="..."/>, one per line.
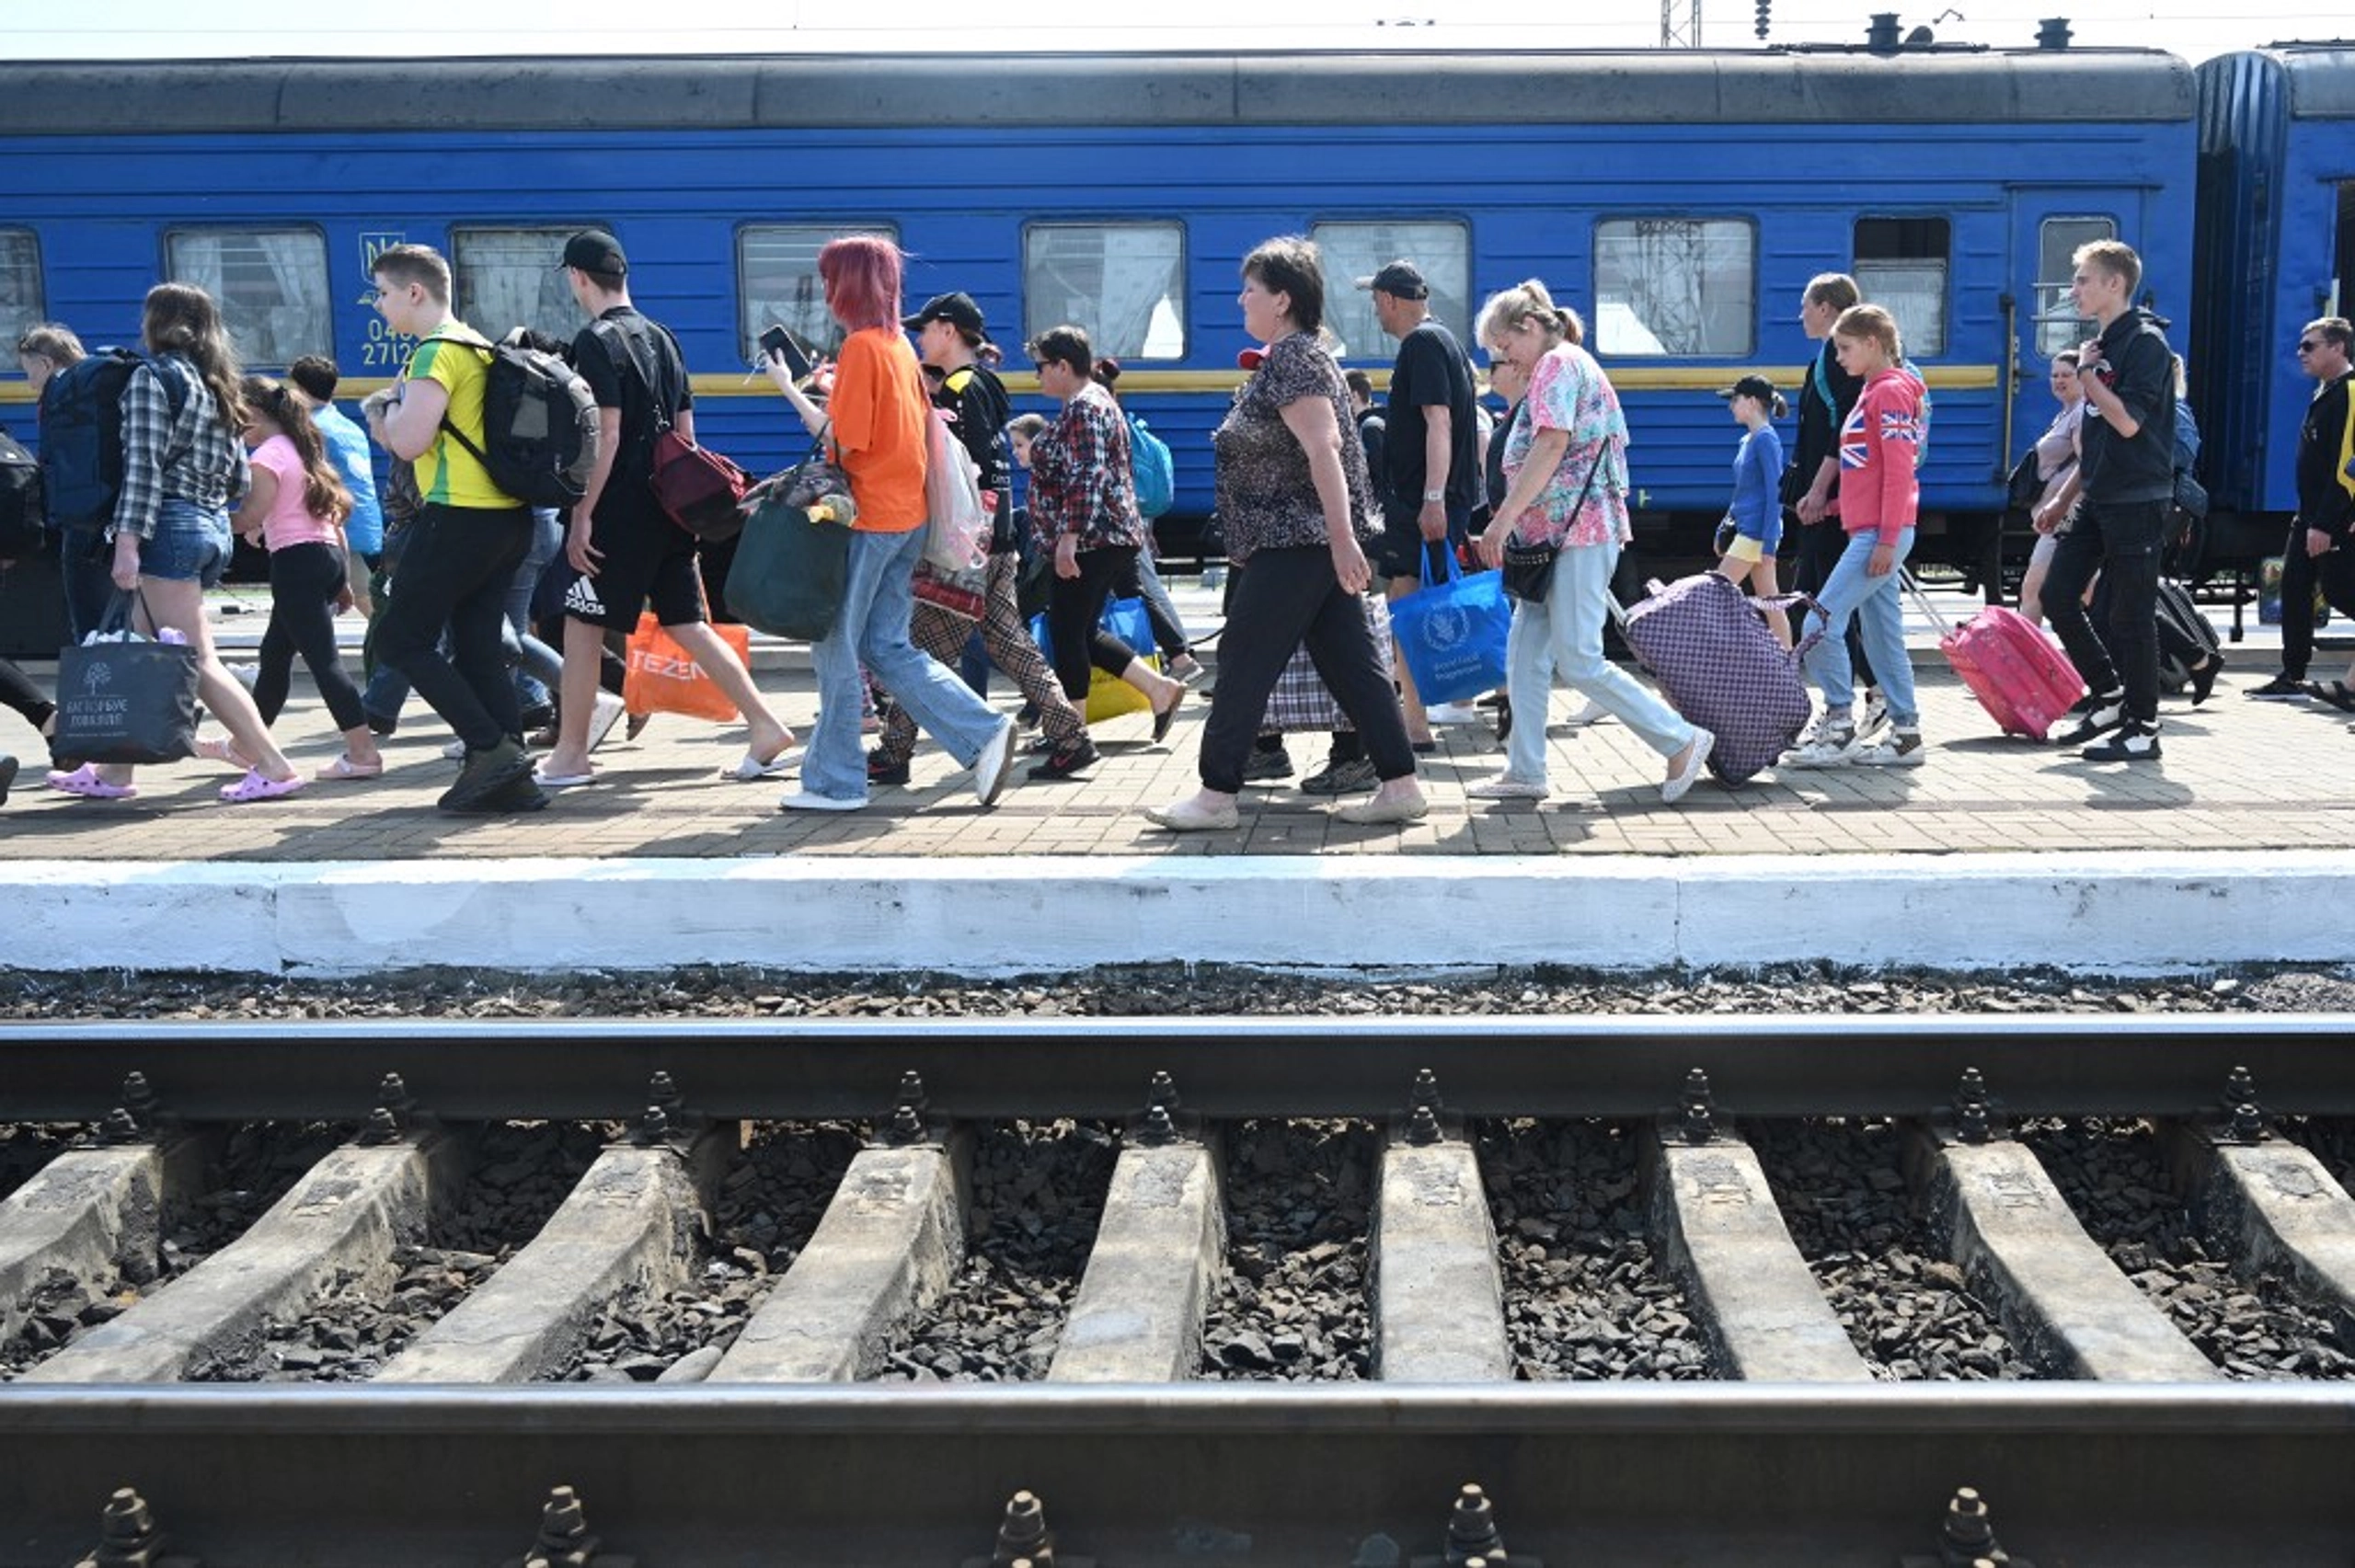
<point x="1703" y="640"/>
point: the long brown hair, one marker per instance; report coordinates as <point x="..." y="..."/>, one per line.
<point x="182" y="318"/>
<point x="324" y="495"/>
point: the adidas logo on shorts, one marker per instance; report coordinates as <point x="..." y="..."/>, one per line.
<point x="581" y="599"/>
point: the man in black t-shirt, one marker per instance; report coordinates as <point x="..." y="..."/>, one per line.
<point x="1430" y="455"/>
<point x="628" y="552"/>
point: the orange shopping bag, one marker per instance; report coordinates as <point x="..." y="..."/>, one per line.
<point x="662" y="679"/>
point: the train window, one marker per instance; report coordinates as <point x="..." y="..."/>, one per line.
<point x="1675" y="286"/>
<point x="271" y="285"/>
<point x="21" y="301"/>
<point x="1124" y="283"/>
<point x="2058" y="325"/>
<point x="1901" y="266"/>
<point x="776" y="280"/>
<point x="1442" y="248"/>
<point x="508" y="276"/>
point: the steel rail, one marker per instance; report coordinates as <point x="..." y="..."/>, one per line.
<point x="1765" y="1065"/>
<point x="1688" y="1475"/>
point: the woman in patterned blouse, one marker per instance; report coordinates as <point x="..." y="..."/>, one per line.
<point x="1567" y="471"/>
<point x="1084" y="518"/>
<point x="1294" y="497"/>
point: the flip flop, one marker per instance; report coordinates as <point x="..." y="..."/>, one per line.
<point x="1169" y="716"/>
<point x="561" y="781"/>
<point x="344" y="768"/>
<point x="84" y="782"/>
<point x="750" y="769"/>
<point x="2335" y="692"/>
<point x="255" y="786"/>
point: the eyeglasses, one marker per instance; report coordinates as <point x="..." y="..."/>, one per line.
<point x="2308" y="345"/>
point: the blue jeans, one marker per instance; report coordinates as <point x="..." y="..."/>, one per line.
<point x="1877" y="607"/>
<point x="190" y="543"/>
<point x="1567" y="632"/>
<point x="537" y="666"/>
<point x="873" y="630"/>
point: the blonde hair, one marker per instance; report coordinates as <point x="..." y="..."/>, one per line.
<point x="1528" y="301"/>
<point x="1859" y="323"/>
<point x="2114" y="256"/>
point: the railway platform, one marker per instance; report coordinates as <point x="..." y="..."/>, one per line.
<point x="2238" y="846"/>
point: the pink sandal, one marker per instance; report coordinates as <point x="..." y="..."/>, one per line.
<point x="344" y="768"/>
<point x="84" y="782"/>
<point x="257" y="786"/>
<point x="217" y="748"/>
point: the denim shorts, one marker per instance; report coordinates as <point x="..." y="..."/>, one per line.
<point x="191" y="545"/>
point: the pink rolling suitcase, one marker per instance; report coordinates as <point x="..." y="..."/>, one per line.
<point x="2016" y="669"/>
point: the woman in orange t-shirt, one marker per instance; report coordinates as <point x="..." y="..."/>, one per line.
<point x="878" y="409"/>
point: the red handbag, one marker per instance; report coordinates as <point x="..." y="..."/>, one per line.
<point x="701" y="490"/>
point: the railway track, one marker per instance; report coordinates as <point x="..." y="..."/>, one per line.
<point x="1670" y="1291"/>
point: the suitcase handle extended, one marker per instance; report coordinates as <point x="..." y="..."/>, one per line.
<point x="1945" y="627"/>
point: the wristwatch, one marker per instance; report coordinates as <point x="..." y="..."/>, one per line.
<point x="1434" y="495"/>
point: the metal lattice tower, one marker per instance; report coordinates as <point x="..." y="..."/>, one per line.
<point x="1673" y="37"/>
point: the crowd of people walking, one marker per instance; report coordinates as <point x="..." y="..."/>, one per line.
<point x="503" y="614"/>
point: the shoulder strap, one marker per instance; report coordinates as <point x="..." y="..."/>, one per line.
<point x="488" y="352"/>
<point x="1822" y="378"/>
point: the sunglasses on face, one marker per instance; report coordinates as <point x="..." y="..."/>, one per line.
<point x="2308" y="345"/>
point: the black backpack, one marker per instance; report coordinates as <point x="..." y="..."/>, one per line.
<point x="81" y="434"/>
<point x="539" y="422"/>
<point x="21" y="530"/>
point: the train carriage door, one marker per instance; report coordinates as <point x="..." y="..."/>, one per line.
<point x="2049" y="226"/>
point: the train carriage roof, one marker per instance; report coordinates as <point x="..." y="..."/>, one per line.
<point x="1767" y="87"/>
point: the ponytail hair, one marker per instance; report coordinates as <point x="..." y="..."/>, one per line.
<point x="324" y="495"/>
<point x="1870" y="323"/>
<point x="1528" y="301"/>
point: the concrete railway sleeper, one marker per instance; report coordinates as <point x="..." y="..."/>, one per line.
<point x="1435" y="1250"/>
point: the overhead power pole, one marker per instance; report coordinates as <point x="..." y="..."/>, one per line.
<point x="1670" y="35"/>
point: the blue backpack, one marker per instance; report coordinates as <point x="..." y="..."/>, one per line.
<point x="1155" y="471"/>
<point x="81" y="434"/>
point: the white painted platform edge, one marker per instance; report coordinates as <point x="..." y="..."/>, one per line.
<point x="2111" y="912"/>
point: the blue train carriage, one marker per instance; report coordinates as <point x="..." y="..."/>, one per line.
<point x="1680" y="200"/>
<point x="2276" y="241"/>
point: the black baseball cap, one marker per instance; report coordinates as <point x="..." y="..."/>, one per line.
<point x="1756" y="386"/>
<point x="958" y="309"/>
<point x="1399" y="279"/>
<point x="595" y="250"/>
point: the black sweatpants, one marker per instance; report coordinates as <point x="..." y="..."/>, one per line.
<point x="304" y="582"/>
<point x="454" y="572"/>
<point x="1283" y="598"/>
<point x="2333" y="572"/>
<point x="2121" y="542"/>
<point x="1075" y="605"/>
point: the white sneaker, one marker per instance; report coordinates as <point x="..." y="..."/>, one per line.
<point x="1452" y="713"/>
<point x="1876" y="716"/>
<point x="604" y="713"/>
<point x="1504" y="787"/>
<point x="1898" y="749"/>
<point x="804" y="800"/>
<point x="1589" y="712"/>
<point x="455" y="752"/>
<point x="995" y="763"/>
<point x="1833" y="747"/>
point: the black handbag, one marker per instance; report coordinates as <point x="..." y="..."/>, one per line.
<point x="126" y="700"/>
<point x="1529" y="568"/>
<point x="2024" y="487"/>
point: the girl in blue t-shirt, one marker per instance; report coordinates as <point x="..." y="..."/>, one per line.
<point x="1752" y="529"/>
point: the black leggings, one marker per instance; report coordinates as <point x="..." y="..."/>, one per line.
<point x="16" y="690"/>
<point x="304" y="582"/>
<point x="1074" y="605"/>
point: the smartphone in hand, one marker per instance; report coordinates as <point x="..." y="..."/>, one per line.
<point x="776" y="343"/>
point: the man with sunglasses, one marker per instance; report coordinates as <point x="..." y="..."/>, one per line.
<point x="2319" y="552"/>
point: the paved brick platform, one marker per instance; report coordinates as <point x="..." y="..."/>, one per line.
<point x="2236" y="775"/>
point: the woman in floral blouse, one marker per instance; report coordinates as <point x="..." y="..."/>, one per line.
<point x="1565" y="465"/>
<point x="1293" y="496"/>
<point x="1084" y="518"/>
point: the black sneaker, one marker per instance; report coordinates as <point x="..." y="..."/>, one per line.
<point x="2203" y="680"/>
<point x="1342" y="778"/>
<point x="881" y="770"/>
<point x="1066" y="764"/>
<point x="519" y="794"/>
<point x="485" y="773"/>
<point x="1261" y="766"/>
<point x="2131" y="743"/>
<point x="2096" y="716"/>
<point x="2280" y="689"/>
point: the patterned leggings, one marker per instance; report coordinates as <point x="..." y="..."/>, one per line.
<point x="943" y="636"/>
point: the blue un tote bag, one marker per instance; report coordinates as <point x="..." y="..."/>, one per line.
<point x="1453" y="633"/>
